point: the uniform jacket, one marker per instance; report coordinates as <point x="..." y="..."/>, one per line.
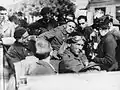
<point x="86" y="32"/>
<point x="41" y="23"/>
<point x="73" y="63"/>
<point x="18" y="52"/>
<point x="56" y="36"/>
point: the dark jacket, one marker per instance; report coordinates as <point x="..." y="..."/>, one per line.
<point x="18" y="52"/>
<point x="85" y="32"/>
<point x="107" y="52"/>
<point x="56" y="36"/>
<point x="41" y="23"/>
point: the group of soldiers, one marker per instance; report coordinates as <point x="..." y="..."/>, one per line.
<point x="48" y="46"/>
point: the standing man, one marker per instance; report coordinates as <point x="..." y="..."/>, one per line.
<point x="83" y="27"/>
<point x="106" y="55"/>
<point x="6" y="28"/>
<point x="6" y="35"/>
<point x="86" y="31"/>
<point x="22" y="21"/>
<point x="46" y="23"/>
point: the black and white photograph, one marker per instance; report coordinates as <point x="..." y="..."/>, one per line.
<point x="59" y="44"/>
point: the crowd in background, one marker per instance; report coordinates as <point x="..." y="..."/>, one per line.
<point x="55" y="45"/>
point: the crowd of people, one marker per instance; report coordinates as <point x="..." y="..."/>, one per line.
<point x="49" y="46"/>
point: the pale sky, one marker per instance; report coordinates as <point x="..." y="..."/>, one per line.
<point x="7" y="2"/>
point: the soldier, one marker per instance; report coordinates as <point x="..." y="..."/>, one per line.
<point x="73" y="57"/>
<point x="19" y="50"/>
<point x="46" y="23"/>
<point x="43" y="65"/>
<point x="57" y="36"/>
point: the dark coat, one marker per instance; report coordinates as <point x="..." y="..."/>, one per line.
<point x="85" y="32"/>
<point x="107" y="53"/>
<point x="18" y="52"/>
<point x="45" y="26"/>
<point x="56" y="36"/>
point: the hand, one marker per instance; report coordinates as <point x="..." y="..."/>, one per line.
<point x="94" y="55"/>
<point x="86" y="63"/>
<point x="1" y="35"/>
<point x="95" y="45"/>
<point x="54" y="54"/>
<point x="31" y="59"/>
<point x="32" y="37"/>
<point x="92" y="35"/>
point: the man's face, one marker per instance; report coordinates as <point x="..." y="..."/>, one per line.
<point x="3" y="15"/>
<point x="77" y="47"/>
<point x="82" y="23"/>
<point x="103" y="32"/>
<point x="69" y="18"/>
<point x="47" y="16"/>
<point x="19" y="17"/>
<point x="70" y="27"/>
<point x="24" y="38"/>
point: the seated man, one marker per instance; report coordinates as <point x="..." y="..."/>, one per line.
<point x="57" y="36"/>
<point x="19" y="50"/>
<point x="35" y="65"/>
<point x="40" y="65"/>
<point x="73" y="58"/>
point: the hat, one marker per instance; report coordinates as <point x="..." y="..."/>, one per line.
<point x="42" y="46"/>
<point x="75" y="38"/>
<point x="103" y="22"/>
<point x="45" y="10"/>
<point x="20" y="13"/>
<point x="104" y="27"/>
<point x="2" y="8"/>
<point x="19" y="31"/>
